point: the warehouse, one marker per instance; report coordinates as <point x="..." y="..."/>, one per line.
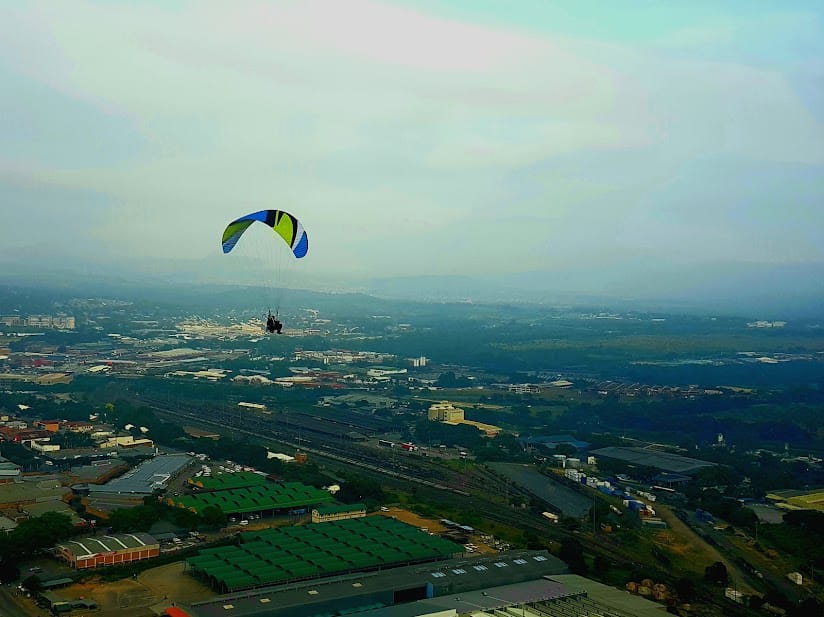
<point x="108" y="550"/>
<point x="282" y="555"/>
<point x="268" y="499"/>
<point x="227" y="481"/>
<point x="146" y="478"/>
<point x="393" y="589"/>
<point x="338" y="512"/>
<point x="665" y="461"/>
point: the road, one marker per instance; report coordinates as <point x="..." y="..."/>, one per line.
<point x="12" y="605"/>
<point x="743" y="580"/>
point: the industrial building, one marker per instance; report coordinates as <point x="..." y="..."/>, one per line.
<point x="268" y="498"/>
<point x="665" y="461"/>
<point x="449" y="414"/>
<point x="406" y="589"/>
<point x="9" y="471"/>
<point x="554" y="595"/>
<point x="445" y="412"/>
<point x="32" y="489"/>
<point x="481" y="593"/>
<point x="291" y="554"/>
<point x="147" y="477"/>
<point x="338" y="512"/>
<point x="108" y="550"/>
<point x="227" y="481"/>
<point x="550" y="442"/>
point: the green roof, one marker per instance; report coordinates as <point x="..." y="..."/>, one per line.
<point x="226" y="481"/>
<point x="275" y="555"/>
<point x="337" y="508"/>
<point x="255" y="498"/>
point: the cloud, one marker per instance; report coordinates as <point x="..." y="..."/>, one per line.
<point x="405" y="141"/>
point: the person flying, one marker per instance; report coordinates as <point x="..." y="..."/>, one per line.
<point x="273" y="324"/>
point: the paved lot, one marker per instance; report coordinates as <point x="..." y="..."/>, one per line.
<point x="568" y="501"/>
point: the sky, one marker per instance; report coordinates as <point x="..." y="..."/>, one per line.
<point x="411" y="138"/>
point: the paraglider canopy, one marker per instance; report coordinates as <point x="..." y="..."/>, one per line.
<point x="276" y="254"/>
<point x="284" y="224"/>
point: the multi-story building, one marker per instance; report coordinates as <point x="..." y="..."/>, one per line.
<point x="64" y="322"/>
<point x="51" y="426"/>
<point x="445" y="412"/>
<point x="39" y="321"/>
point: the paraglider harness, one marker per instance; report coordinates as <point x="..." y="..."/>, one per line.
<point x="272" y="323"/>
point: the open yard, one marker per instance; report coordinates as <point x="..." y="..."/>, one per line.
<point x="148" y="594"/>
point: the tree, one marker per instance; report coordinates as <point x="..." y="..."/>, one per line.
<point x="446" y="380"/>
<point x="69" y="440"/>
<point x="602" y="564"/>
<point x="183" y="517"/>
<point x="572" y="552"/>
<point x="213" y="516"/>
<point x="566" y="449"/>
<point x="808" y="608"/>
<point x="811" y="521"/>
<point x="356" y="489"/>
<point x="533" y="542"/>
<point x="716" y="573"/>
<point x="31" y="536"/>
<point x="685" y="588"/>
<point x="139" y="518"/>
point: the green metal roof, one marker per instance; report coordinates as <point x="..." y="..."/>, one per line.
<point x="226" y="481"/>
<point x="255" y="498"/>
<point x="333" y="547"/>
<point x="341" y="507"/>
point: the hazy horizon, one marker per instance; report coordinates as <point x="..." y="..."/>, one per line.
<point x="573" y="147"/>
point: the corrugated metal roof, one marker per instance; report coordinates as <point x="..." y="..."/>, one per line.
<point x="147" y="476"/>
<point x="340" y="507"/>
<point x="255" y="498"/>
<point x="86" y="547"/>
<point x="338" y="546"/>
<point x="225" y="481"/>
<point x="344" y="590"/>
<point x="666" y="461"/>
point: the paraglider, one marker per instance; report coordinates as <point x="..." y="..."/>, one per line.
<point x="285" y="225"/>
<point x="273" y="324"/>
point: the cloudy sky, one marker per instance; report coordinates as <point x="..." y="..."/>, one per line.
<point x="415" y="137"/>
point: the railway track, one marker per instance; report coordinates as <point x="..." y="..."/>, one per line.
<point x="471" y="488"/>
<point x="259" y="429"/>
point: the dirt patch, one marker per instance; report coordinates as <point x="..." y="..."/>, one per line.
<point x="673" y="544"/>
<point x="690" y="547"/>
<point x="149" y="593"/>
<point x="432" y="526"/>
<point x="172" y="583"/>
<point x="113" y="598"/>
<point x="413" y="519"/>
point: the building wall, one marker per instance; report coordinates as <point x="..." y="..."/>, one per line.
<point x="445" y="412"/>
<point x="109" y="559"/>
<point x="336" y="516"/>
<point x="49" y="425"/>
<point x="44" y="446"/>
<point x="126" y="442"/>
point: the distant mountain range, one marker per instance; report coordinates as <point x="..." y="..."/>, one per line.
<point x="762" y="291"/>
<point x="775" y="291"/>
